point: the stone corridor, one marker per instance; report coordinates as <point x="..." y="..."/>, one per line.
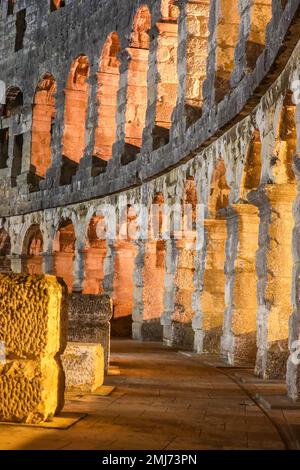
<point x="167" y="400"/>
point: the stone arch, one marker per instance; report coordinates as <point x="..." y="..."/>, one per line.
<point x="95" y="252"/>
<point x="5" y="251"/>
<point x="76" y="103"/>
<point x="286" y="142"/>
<point x="166" y="59"/>
<point x="56" y="4"/>
<point x="108" y="86"/>
<point x="197" y="13"/>
<point x="227" y="36"/>
<point x="252" y="168"/>
<point x="43" y="115"/>
<point x="64" y="251"/>
<point x="219" y="189"/>
<point x="137" y="84"/>
<point x="33" y="243"/>
<point x="260" y="16"/>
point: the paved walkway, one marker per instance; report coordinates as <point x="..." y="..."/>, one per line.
<point x="163" y="400"/>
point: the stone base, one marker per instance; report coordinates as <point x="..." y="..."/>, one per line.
<point x="239" y="350"/>
<point x="151" y="330"/>
<point x="83" y="364"/>
<point x="182" y="336"/>
<point x="212" y="341"/>
<point x="31" y="391"/>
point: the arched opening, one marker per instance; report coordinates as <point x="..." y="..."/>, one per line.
<point x="108" y="86"/>
<point x="137" y="89"/>
<point x="5" y="251"/>
<point x="56" y="4"/>
<point x="76" y="103"/>
<point x="94" y="257"/>
<point x="64" y="252"/>
<point x="219" y="189"/>
<point x="252" y="169"/>
<point x="167" y="87"/>
<point x="226" y="40"/>
<point x="32" y="262"/>
<point x="260" y="17"/>
<point x="125" y="256"/>
<point x="43" y="115"/>
<point x="197" y="13"/>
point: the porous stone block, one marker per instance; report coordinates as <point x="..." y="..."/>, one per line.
<point x="89" y="320"/>
<point x="84" y="366"/>
<point x="33" y="330"/>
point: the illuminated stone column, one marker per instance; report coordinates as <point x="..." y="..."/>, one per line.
<point x="182" y="331"/>
<point x="212" y="298"/>
<point x="138" y="280"/>
<point x="274" y="270"/>
<point x="109" y="268"/>
<point x="293" y="369"/>
<point x="78" y="266"/>
<point x="170" y="290"/>
<point x="238" y="342"/>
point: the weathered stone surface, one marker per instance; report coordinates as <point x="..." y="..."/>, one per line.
<point x="83" y="364"/>
<point x="89" y="320"/>
<point x="33" y="328"/>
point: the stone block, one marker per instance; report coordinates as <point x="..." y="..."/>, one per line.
<point x="33" y="330"/>
<point x="89" y="320"/>
<point x="83" y="364"/>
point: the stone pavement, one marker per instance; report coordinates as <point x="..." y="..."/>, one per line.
<point x="163" y="400"/>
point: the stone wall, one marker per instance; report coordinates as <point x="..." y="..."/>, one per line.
<point x="220" y="133"/>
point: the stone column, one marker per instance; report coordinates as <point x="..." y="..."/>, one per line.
<point x="238" y="342"/>
<point x="182" y="331"/>
<point x="109" y="268"/>
<point x="274" y="270"/>
<point x="138" y="308"/>
<point x="79" y="266"/>
<point x="212" y="299"/>
<point x="170" y="290"/>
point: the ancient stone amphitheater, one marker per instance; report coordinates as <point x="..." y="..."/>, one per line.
<point x="142" y="104"/>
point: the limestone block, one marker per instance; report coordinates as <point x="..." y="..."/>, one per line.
<point x="33" y="328"/>
<point x="89" y="320"/>
<point x="83" y="364"/>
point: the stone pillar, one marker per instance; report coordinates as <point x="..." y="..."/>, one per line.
<point x="274" y="270"/>
<point x="54" y="172"/>
<point x="48" y="263"/>
<point x="78" y="267"/>
<point x="170" y="290"/>
<point x="119" y="145"/>
<point x="179" y="125"/>
<point x="238" y="342"/>
<point x="138" y="307"/>
<point x="212" y="298"/>
<point x="182" y="331"/>
<point x="109" y="268"/>
<point x="31" y="375"/>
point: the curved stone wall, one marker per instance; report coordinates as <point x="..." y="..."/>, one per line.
<point x="136" y="105"/>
